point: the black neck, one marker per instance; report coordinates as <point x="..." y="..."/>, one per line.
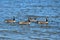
<point x="46" y="19"/>
<point x="13" y="18"/>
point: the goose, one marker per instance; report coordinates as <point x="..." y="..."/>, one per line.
<point x="10" y="20"/>
<point x="24" y="23"/>
<point x="31" y="20"/>
<point x="43" y="22"/>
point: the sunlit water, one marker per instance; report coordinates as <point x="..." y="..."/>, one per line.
<point x="34" y="31"/>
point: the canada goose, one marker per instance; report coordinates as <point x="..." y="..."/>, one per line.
<point x="24" y="23"/>
<point x="43" y="22"/>
<point x="31" y="20"/>
<point x="10" y="20"/>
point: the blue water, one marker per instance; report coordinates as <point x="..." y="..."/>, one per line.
<point x="34" y="31"/>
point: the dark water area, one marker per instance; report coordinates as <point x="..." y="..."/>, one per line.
<point x="34" y="31"/>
